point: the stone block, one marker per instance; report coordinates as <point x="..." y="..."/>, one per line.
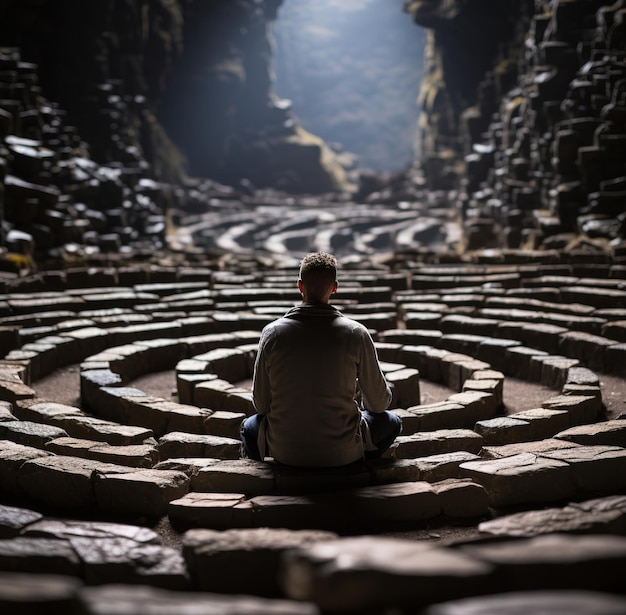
<point x="543" y="422"/>
<point x="405" y="386"/>
<point x="91" y="382"/>
<point x="581" y="409"/>
<point x="236" y="476"/>
<point x="491" y="387"/>
<point x="552" y="371"/>
<point x="141" y="492"/>
<point x="494" y="350"/>
<point x="610" y="433"/>
<point x="395" y="502"/>
<point x="588" y="348"/>
<point x="12" y="457"/>
<point x="223" y="423"/>
<point x="122" y="560"/>
<point x="39" y="555"/>
<point x="536" y="448"/>
<point x="64" y="483"/>
<point x="522" y="479"/>
<point x="29" y="433"/>
<point x="312" y="511"/>
<point x="377" y="574"/>
<point x="212" y="394"/>
<point x="229" y="364"/>
<point x="243" y="561"/>
<point x="211" y="510"/>
<point x="14" y="520"/>
<point x="562" y="561"/>
<point x="478" y="405"/>
<point x="440" y="415"/>
<point x="569" y="519"/>
<point x="517" y="361"/>
<point x="295" y="480"/>
<point x="462" y="498"/>
<point x="69" y="529"/>
<point x="503" y="430"/>
<point x="441" y="467"/>
<point x="460" y="371"/>
<point x="595" y="469"/>
<point x="424" y="444"/>
<point x="395" y="470"/>
<point x="180" y="444"/>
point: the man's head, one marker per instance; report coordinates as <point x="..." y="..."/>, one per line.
<point x="318" y="277"/>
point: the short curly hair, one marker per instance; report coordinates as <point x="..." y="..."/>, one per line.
<point x="318" y="272"/>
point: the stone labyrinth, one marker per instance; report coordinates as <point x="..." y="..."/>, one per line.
<point x="84" y="489"/>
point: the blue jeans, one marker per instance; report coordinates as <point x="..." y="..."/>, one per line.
<point x="384" y="428"/>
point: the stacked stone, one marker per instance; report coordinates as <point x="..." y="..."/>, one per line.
<point x="271" y="532"/>
<point x="56" y="200"/>
<point x="550" y="166"/>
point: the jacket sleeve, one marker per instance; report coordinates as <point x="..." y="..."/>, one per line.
<point x="261" y="395"/>
<point x="375" y="390"/>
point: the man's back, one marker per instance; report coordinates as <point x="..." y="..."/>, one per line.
<point x="307" y="367"/>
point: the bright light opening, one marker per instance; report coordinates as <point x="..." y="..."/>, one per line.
<point x="353" y="69"/>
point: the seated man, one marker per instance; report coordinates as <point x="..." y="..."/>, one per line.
<point x="310" y="366"/>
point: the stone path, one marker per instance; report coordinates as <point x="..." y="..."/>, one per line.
<point x="88" y="476"/>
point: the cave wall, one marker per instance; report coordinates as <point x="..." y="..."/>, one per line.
<point x="106" y="63"/>
<point x="221" y="109"/>
<point x="524" y="117"/>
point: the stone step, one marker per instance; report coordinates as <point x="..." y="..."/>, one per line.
<point x="402" y="502"/>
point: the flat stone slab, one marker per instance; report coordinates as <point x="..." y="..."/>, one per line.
<point x="600" y="516"/>
<point x="67" y="529"/>
<point x="563" y="561"/>
<point x="243" y="561"/>
<point x="522" y="479"/>
<point x="211" y="510"/>
<point x="503" y="430"/>
<point x="181" y="444"/>
<point x="372" y="573"/>
<point x="440" y="415"/>
<point x="424" y="444"/>
<point x="136" y="456"/>
<point x="13" y="520"/>
<point x="140" y="600"/>
<point x="42" y="555"/>
<point x="122" y="560"/>
<point x="559" y="602"/>
<point x="29" y="433"/>
<point x="608" y="432"/>
<point x="541" y="446"/>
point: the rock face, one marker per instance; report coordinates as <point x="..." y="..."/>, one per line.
<point x="220" y="105"/>
<point x="524" y="110"/>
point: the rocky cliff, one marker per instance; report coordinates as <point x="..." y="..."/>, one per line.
<point x="525" y="113"/>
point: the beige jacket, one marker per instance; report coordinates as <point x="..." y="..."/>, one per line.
<point x="306" y="371"/>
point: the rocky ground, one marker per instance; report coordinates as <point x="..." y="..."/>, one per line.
<point x="120" y="459"/>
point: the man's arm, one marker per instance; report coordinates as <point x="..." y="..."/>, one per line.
<point x="375" y="391"/>
<point x="261" y="396"/>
